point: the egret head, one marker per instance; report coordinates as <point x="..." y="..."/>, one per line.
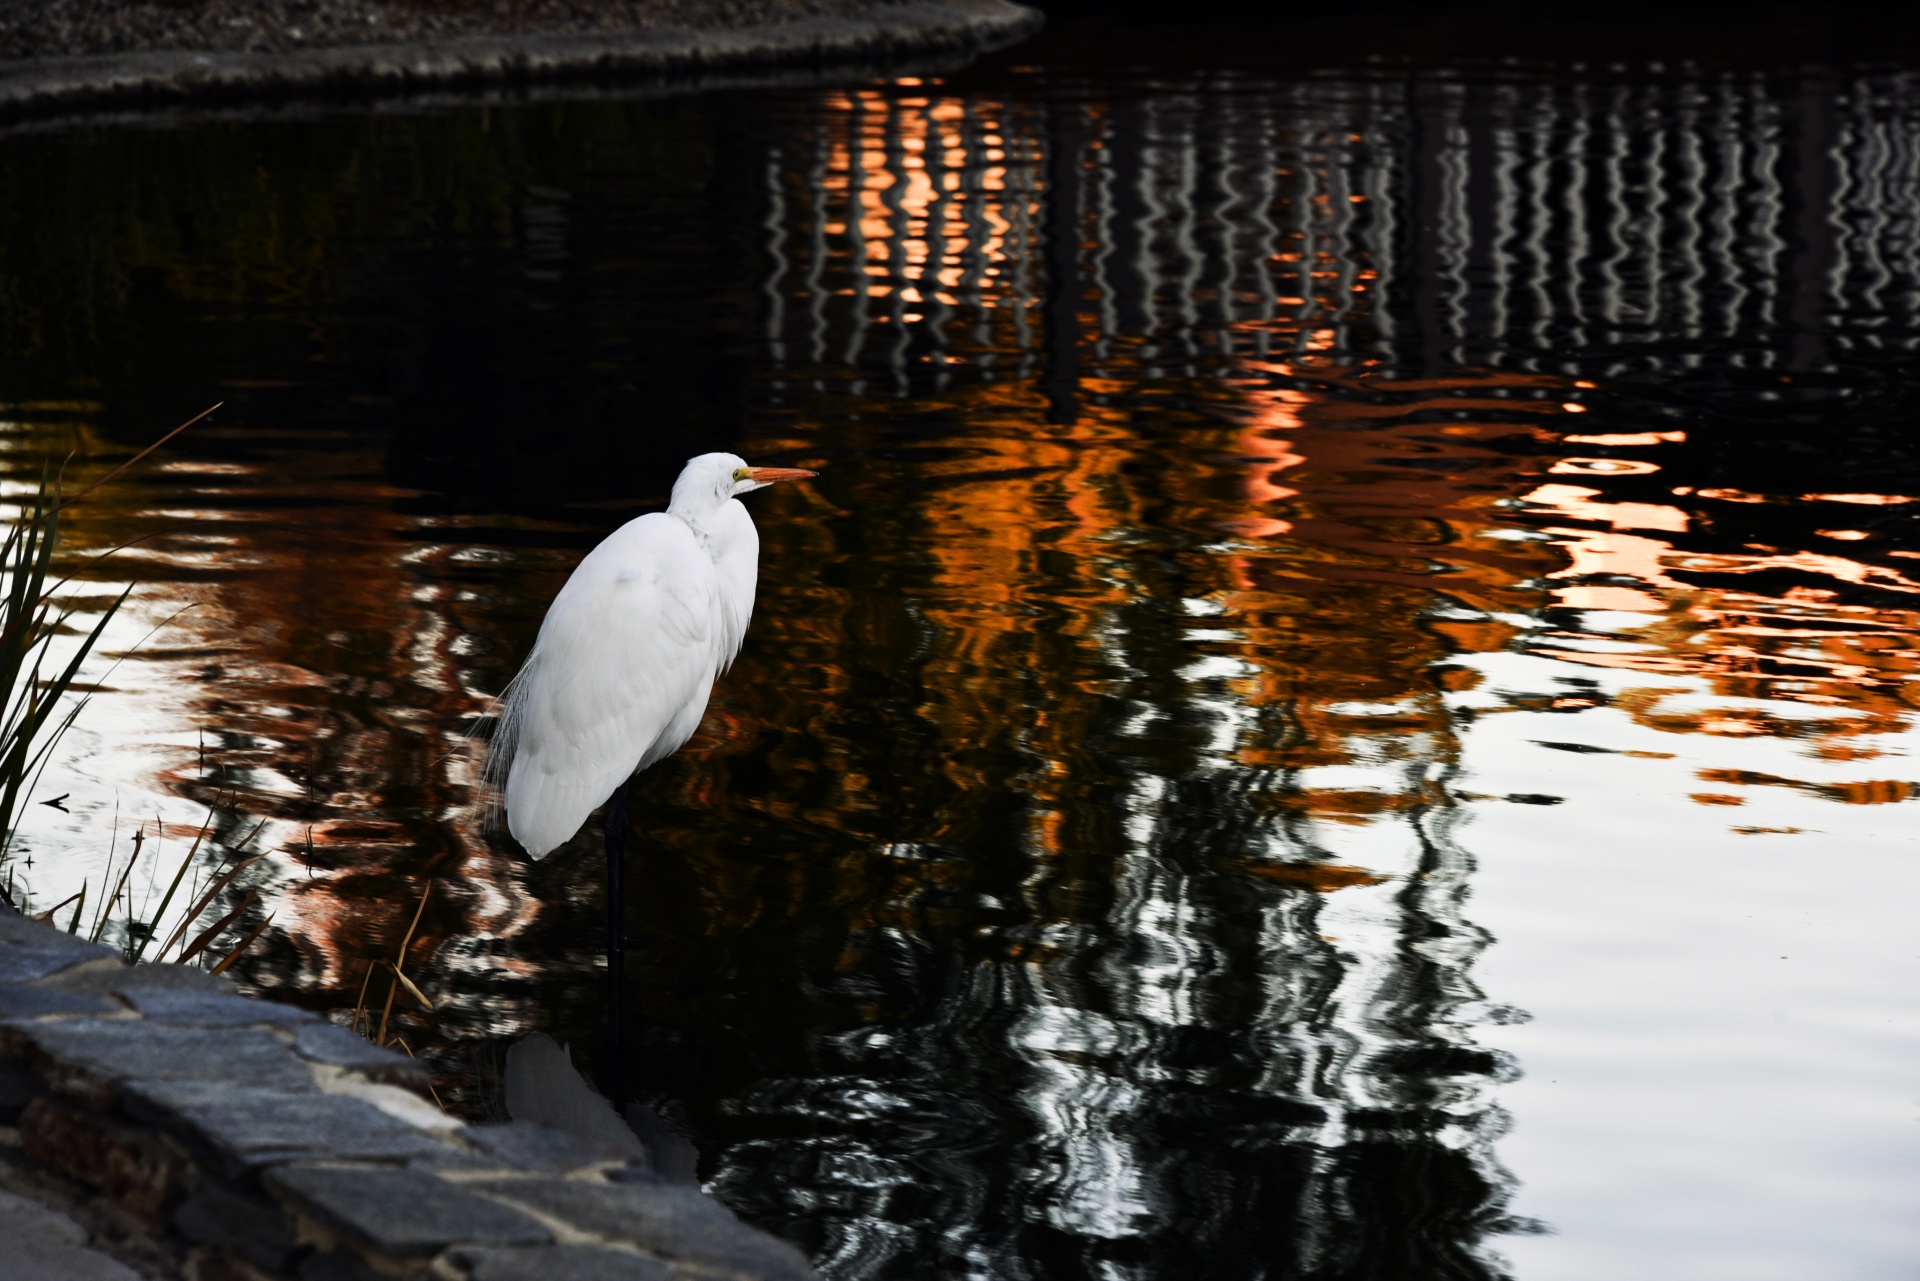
<point x="711" y="479"/>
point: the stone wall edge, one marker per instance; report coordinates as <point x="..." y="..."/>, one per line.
<point x="869" y="42"/>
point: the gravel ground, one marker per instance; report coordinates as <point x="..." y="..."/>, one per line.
<point x="67" y="28"/>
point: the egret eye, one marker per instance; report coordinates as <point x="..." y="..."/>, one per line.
<point x="742" y="473"/>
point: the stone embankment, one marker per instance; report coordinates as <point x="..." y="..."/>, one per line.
<point x="64" y="55"/>
<point x="153" y="1123"/>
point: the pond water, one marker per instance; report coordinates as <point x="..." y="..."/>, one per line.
<point x="1343" y="705"/>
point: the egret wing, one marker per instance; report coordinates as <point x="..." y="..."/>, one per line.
<point x="618" y="678"/>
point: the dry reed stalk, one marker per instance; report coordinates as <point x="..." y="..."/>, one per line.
<point x="178" y="876"/>
<point x="153" y="870"/>
<point x="47" y="916"/>
<point x="106" y="911"/>
<point x="412" y="991"/>
<point x="245" y="943"/>
<point x="386" y="1012"/>
<point x="214" y="931"/>
<point x="360" y="1005"/>
<point x="142" y="454"/>
<point x="400" y="959"/>
<point x="401" y="1042"/>
<point x="220" y="883"/>
<point x="113" y="842"/>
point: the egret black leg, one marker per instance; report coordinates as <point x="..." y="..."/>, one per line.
<point x="616" y="1069"/>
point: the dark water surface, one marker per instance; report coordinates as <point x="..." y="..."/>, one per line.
<point x="1310" y="568"/>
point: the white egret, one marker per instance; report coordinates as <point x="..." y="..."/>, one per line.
<point x="620" y="675"/>
<point x="626" y="659"/>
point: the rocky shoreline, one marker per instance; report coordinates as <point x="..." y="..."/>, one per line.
<point x="155" y="1124"/>
<point x="64" y="55"/>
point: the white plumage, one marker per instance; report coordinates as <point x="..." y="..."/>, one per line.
<point x="629" y="650"/>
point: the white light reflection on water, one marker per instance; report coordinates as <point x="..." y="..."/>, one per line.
<point x="1720" y="1069"/>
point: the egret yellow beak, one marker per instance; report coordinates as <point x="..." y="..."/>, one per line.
<point x="767" y="475"/>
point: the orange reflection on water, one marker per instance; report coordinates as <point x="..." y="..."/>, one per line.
<point x="1797" y="646"/>
<point x="1314" y="575"/>
<point x="302" y="673"/>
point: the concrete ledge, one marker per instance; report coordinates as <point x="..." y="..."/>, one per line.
<point x="871" y="39"/>
<point x="254" y="1140"/>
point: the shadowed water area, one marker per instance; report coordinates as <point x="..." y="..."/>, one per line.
<point x="1343" y="705"/>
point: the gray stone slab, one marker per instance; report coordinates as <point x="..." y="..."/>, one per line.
<point x="41" y="1244"/>
<point x="120" y="978"/>
<point x="31" y="949"/>
<point x="19" y="930"/>
<point x="673" y="1220"/>
<point x="565" y="1263"/>
<point x="541" y="1148"/>
<point x="326" y="1043"/>
<point x="192" y="1007"/>
<point x="37" y="1002"/>
<point x="18" y="1214"/>
<point x="24" y="962"/>
<point x="635" y="1172"/>
<point x="246" y="1128"/>
<point x="402" y="1213"/>
<point x="16" y="928"/>
<point x="246" y="1223"/>
<point x="89" y="1056"/>
<point x="455" y="1159"/>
